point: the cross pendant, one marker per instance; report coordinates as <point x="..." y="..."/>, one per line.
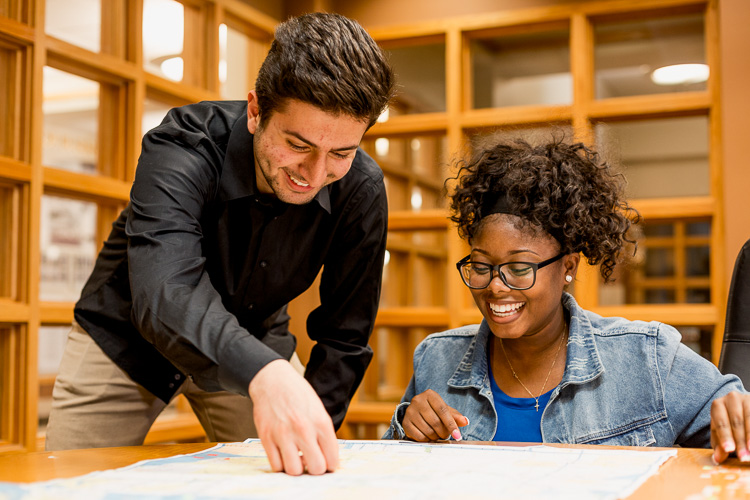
<point x="537" y="405"/>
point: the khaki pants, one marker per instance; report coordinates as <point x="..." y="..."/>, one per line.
<point x="96" y="404"/>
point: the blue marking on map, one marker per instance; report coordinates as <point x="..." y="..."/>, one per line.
<point x="193" y="457"/>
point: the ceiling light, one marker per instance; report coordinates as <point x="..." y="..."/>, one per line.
<point x="172" y="68"/>
<point x="416" y="199"/>
<point x="678" y="74"/>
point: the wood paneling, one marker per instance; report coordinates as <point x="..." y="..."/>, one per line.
<point x="119" y="68"/>
<point x="124" y="83"/>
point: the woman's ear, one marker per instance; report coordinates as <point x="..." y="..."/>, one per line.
<point x="570" y="265"/>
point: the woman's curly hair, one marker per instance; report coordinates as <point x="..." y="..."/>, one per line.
<point x="566" y="189"/>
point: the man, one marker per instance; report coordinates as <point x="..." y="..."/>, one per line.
<point x="235" y="208"/>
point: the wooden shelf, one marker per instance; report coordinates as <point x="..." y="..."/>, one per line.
<point x="125" y="85"/>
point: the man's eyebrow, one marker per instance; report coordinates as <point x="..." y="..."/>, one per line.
<point x="312" y="144"/>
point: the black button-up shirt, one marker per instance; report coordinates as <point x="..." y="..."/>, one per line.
<point x="197" y="271"/>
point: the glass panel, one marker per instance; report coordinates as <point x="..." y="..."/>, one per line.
<point x="698" y="261"/>
<point x="698" y="296"/>
<point x="659" y="262"/>
<point x="415" y="168"/>
<point x="10" y="232"/>
<point x="395" y="274"/>
<point x="234" y="46"/>
<point x="656" y="230"/>
<point x="420" y="75"/>
<point x="414" y="273"/>
<point x="668" y="268"/>
<point x="153" y="113"/>
<point x="532" y="134"/>
<point x="71" y="123"/>
<point x="397" y="189"/>
<point x="702" y="228"/>
<point x="163" y="37"/>
<point x="75" y="21"/>
<point x="660" y="158"/>
<point x="52" y="341"/>
<point x="429" y="288"/>
<point x="627" y="53"/>
<point x="240" y="57"/>
<point x="68" y="247"/>
<point x="659" y="296"/>
<point x="698" y="338"/>
<point x="528" y="68"/>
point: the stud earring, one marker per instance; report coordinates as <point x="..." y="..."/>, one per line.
<point x="568" y="278"/>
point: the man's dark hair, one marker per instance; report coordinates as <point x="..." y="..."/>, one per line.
<point x="329" y="61"/>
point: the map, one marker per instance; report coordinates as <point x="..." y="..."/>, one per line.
<point x="368" y="470"/>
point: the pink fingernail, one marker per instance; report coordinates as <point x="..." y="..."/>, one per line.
<point x="744" y="455"/>
<point x="728" y="446"/>
<point x="456" y="435"/>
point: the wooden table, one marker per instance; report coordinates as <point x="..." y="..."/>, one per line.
<point x="691" y="472"/>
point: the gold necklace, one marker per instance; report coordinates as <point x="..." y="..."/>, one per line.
<point x="536" y="399"/>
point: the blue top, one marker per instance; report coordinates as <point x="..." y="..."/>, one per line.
<point x="626" y="383"/>
<point x="517" y="418"/>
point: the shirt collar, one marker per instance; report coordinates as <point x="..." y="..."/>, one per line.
<point x="583" y="361"/>
<point x="238" y="171"/>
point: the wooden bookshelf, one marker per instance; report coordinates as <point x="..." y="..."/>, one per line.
<point x="427" y="126"/>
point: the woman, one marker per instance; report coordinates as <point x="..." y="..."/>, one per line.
<point x="539" y="368"/>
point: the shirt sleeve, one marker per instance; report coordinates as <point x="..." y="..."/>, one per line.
<point x="349" y="295"/>
<point x="175" y="306"/>
<point x="691" y="384"/>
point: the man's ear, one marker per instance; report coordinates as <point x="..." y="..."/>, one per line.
<point x="253" y="112"/>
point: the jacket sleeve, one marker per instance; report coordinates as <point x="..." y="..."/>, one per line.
<point x="349" y="294"/>
<point x="396" y="430"/>
<point x="691" y="383"/>
<point x="175" y="306"/>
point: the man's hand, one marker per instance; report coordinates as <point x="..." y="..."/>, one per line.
<point x="730" y="426"/>
<point x="428" y="418"/>
<point x="293" y="425"/>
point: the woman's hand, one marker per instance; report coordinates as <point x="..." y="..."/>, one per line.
<point x="730" y="426"/>
<point x="428" y="418"/>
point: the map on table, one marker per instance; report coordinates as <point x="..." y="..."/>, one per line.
<point x="368" y="470"/>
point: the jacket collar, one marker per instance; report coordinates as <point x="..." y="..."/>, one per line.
<point x="238" y="170"/>
<point x="582" y="365"/>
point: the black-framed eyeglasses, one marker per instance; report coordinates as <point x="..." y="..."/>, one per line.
<point x="515" y="275"/>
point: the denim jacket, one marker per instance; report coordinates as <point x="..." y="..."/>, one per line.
<point x="627" y="383"/>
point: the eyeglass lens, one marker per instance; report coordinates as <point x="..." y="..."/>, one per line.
<point x="517" y="274"/>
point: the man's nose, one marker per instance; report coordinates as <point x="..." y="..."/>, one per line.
<point x="314" y="169"/>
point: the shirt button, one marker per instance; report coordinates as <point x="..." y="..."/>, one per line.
<point x="263" y="263"/>
<point x="251" y="306"/>
<point x="171" y="385"/>
<point x="177" y="377"/>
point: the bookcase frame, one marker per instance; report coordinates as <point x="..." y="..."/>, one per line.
<point x="25" y="49"/>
